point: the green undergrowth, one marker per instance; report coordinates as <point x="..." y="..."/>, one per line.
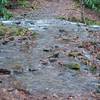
<point x="6" y="5"/>
<point x="90" y="4"/>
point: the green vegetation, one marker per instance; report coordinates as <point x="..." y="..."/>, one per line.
<point x="93" y="4"/>
<point x="7" y="4"/>
<point x="3" y="11"/>
<point x="23" y="3"/>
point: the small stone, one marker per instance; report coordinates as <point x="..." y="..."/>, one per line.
<point x="55" y="95"/>
<point x="44" y="62"/>
<point x="55" y="55"/>
<point x="11" y="38"/>
<point x="0" y="81"/>
<point x="32" y="70"/>
<point x="5" y="42"/>
<point x="74" y="66"/>
<point x="98" y="56"/>
<point x="17" y="72"/>
<point x="5" y="72"/>
<point x="17" y="67"/>
<point x="52" y="59"/>
<point x="62" y="30"/>
<point x="10" y="89"/>
<point x="65" y="38"/>
<point x="47" y="50"/>
<point x="74" y="54"/>
<point x="56" y="46"/>
<point x="45" y="98"/>
<point x="18" y="22"/>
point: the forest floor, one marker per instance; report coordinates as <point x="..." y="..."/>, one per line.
<point x="60" y="61"/>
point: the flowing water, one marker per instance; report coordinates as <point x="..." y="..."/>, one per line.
<point x="24" y="60"/>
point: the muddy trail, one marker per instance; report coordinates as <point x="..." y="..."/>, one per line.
<point x="61" y="63"/>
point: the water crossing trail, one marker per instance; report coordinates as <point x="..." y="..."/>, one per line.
<point x="32" y="65"/>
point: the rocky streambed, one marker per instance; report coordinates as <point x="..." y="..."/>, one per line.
<point x="61" y="63"/>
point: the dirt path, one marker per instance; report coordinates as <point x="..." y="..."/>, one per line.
<point x="68" y="9"/>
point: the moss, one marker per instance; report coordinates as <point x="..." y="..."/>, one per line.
<point x="74" y="66"/>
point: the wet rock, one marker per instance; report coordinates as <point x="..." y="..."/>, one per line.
<point x="44" y="61"/>
<point x="10" y="89"/>
<point x="17" y="67"/>
<point x="18" y="22"/>
<point x="74" y="54"/>
<point x="24" y="91"/>
<point x="32" y="70"/>
<point x="85" y="61"/>
<point x="5" y="72"/>
<point x="24" y="38"/>
<point x="17" y="72"/>
<point x="98" y="88"/>
<point x="24" y="14"/>
<point x="52" y="59"/>
<point x="65" y="38"/>
<point x="45" y="28"/>
<point x="11" y="38"/>
<point x="93" y="69"/>
<point x="98" y="56"/>
<point x="0" y="81"/>
<point x="48" y="49"/>
<point x="5" y="42"/>
<point x="56" y="46"/>
<point x="74" y="66"/>
<point x="61" y="30"/>
<point x="54" y="55"/>
<point x="55" y="95"/>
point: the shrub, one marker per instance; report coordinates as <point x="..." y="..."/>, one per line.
<point x="3" y="11"/>
<point x="93" y="4"/>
